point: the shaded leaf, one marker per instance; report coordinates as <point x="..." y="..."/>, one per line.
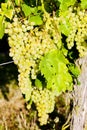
<point x="74" y="70"/>
<point x="17" y="2"/>
<point x="26" y="9"/>
<point x="38" y="83"/>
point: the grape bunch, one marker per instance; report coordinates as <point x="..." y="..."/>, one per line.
<point x="27" y="46"/>
<point x="44" y="100"/>
<point x="78" y="35"/>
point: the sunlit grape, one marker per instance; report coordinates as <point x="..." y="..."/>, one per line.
<point x="44" y="100"/>
<point x="78" y="32"/>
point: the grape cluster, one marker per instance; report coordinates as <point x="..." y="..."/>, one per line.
<point x="78" y="34"/>
<point x="44" y="100"/>
<point x="27" y="46"/>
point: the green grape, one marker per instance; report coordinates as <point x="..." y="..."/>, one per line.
<point x="45" y="102"/>
<point x="78" y="35"/>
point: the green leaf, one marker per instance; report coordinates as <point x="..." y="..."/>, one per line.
<point x="36" y="20"/>
<point x="39" y="7"/>
<point x="74" y="70"/>
<point x="26" y="9"/>
<point x="61" y="81"/>
<point x="38" y="83"/>
<point x="60" y="1"/>
<point x="84" y="4"/>
<point x="18" y="2"/>
<point x="51" y="63"/>
<point x="34" y="10"/>
<point x="9" y="13"/>
<point x="6" y="10"/>
<point x="2" y="27"/>
<point x="53" y="67"/>
<point x="3" y="6"/>
<point x="66" y="3"/>
<point x="29" y="10"/>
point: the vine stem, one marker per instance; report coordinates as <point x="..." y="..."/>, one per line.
<point x="46" y="14"/>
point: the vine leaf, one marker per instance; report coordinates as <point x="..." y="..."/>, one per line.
<point x="3" y="6"/>
<point x="26" y="9"/>
<point x="9" y="13"/>
<point x="36" y="20"/>
<point x="84" y="4"/>
<point x="64" y="4"/>
<point x="29" y="10"/>
<point x="6" y="10"/>
<point x="32" y="12"/>
<point x="53" y="67"/>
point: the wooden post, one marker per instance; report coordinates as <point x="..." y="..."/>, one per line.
<point x="79" y="113"/>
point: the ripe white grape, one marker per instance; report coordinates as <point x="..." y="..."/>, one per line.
<point x="78" y="20"/>
<point x="44" y="100"/>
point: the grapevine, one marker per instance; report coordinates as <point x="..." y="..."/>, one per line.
<point x="36" y="45"/>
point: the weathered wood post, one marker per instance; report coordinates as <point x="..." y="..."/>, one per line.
<point x="79" y="113"/>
